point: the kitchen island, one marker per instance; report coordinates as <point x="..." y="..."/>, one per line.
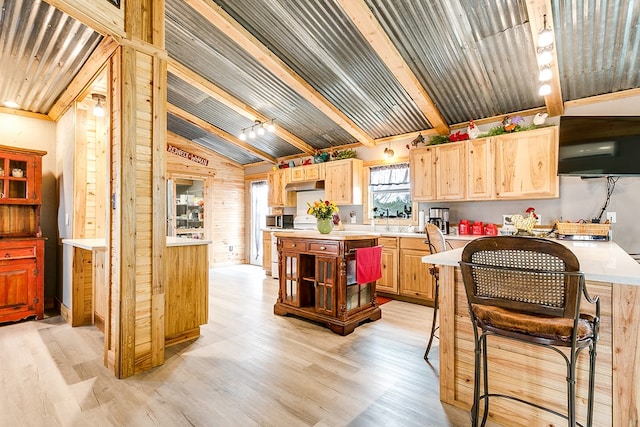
<point x="613" y="276"/>
<point x="86" y="285"/>
<point x="318" y="279"/>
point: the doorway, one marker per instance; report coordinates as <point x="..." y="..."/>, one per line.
<point x="259" y="208"/>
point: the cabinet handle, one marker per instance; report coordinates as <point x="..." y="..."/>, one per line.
<point x="7" y="255"/>
<point x="322" y="248"/>
<point x="293" y="245"/>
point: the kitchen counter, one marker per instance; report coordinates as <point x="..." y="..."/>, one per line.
<point x="599" y="261"/>
<point x="613" y="276"/>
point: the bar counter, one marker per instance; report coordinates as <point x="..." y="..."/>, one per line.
<point x="537" y="374"/>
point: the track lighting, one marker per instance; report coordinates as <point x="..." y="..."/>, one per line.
<point x="98" y="110"/>
<point x="258" y="128"/>
<point x="545" y="57"/>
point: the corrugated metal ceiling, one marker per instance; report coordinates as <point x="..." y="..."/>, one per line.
<point x="41" y="50"/>
<point x="474" y="59"/>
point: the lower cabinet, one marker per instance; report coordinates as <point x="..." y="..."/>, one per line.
<point x="266" y="252"/>
<point x="389" y="281"/>
<point x="415" y="279"/>
<point x="318" y="282"/>
<point x="403" y="272"/>
<point x="21" y="279"/>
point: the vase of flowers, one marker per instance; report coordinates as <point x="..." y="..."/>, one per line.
<point x="323" y="210"/>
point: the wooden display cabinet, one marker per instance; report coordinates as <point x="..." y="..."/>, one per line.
<point x="21" y="242"/>
<point x="317" y="282"/>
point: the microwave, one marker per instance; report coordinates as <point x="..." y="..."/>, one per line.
<point x="279" y="221"/>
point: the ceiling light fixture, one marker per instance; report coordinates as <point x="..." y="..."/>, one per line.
<point x="258" y="128"/>
<point x="98" y="110"/>
<point x="11" y="104"/>
<point x="388" y="152"/>
<point x="545" y="36"/>
<point x="545" y="74"/>
<point x="545" y="89"/>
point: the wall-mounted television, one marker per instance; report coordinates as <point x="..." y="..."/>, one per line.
<point x="592" y="146"/>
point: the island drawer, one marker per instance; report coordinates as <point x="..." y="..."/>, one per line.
<point x="295" y="245"/>
<point x="324" y="247"/>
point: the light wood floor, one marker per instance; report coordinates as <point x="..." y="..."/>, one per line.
<point x="248" y="368"/>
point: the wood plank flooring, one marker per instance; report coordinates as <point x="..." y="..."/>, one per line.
<point x="248" y="368"/>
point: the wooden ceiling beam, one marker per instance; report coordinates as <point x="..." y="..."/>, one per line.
<point x="89" y="71"/>
<point x="208" y="127"/>
<point x="537" y="9"/>
<point x="225" y="23"/>
<point x="361" y="15"/>
<point x="233" y="103"/>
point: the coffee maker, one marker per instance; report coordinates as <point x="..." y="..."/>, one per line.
<point x="440" y="218"/>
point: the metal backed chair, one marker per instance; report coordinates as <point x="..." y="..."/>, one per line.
<point x="437" y="243"/>
<point x="529" y="290"/>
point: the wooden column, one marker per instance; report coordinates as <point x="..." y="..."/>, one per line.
<point x="135" y="338"/>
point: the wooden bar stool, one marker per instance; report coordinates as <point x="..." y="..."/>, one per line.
<point x="529" y="290"/>
<point x="437" y="243"/>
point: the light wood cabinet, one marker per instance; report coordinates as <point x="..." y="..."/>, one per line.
<point x="526" y="164"/>
<point x="480" y="174"/>
<point x="389" y="281"/>
<point x="21" y="243"/>
<point x="266" y="252"/>
<point x="415" y="279"/>
<point x="278" y="195"/>
<point x="438" y="172"/>
<point x="343" y="181"/>
<point x="422" y="173"/>
<point x="313" y="172"/>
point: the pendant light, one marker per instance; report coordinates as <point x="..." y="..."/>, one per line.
<point x="98" y="110"/>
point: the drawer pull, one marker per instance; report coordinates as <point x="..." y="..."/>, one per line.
<point x="7" y="255"/>
<point x="323" y="248"/>
<point x="293" y="245"/>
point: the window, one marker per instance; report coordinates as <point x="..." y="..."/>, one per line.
<point x="390" y="192"/>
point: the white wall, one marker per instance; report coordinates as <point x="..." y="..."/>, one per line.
<point x="37" y="134"/>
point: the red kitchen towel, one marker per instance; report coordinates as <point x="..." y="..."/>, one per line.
<point x="368" y="264"/>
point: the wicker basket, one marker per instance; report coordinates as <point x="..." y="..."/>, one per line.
<point x="583" y="229"/>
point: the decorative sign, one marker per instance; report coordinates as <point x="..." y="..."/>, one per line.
<point x="182" y="153"/>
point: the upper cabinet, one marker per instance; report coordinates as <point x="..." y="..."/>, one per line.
<point x="480" y="180"/>
<point x="278" y="196"/>
<point x="20" y="176"/>
<point x="313" y="172"/>
<point x="438" y="172"/>
<point x="526" y="164"/>
<point x="343" y="181"/>
<point x="521" y="165"/>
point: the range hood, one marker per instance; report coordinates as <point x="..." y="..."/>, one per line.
<point x="305" y="186"/>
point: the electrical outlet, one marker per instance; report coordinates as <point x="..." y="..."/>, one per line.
<point x="611" y="216"/>
<point x="230" y="248"/>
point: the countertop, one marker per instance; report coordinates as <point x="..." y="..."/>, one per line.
<point x="334" y="235"/>
<point x="100" y="243"/>
<point x="599" y="261"/>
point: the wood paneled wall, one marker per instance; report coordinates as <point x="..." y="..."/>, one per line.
<point x="224" y="199"/>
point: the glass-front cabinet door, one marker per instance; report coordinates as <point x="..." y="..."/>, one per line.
<point x="325" y="285"/>
<point x="17" y="183"/>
